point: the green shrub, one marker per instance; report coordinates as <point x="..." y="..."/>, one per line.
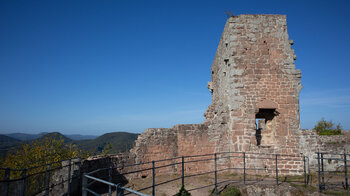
<point x="36" y="155"/>
<point x="183" y="192"/>
<point x="324" y="127"/>
<point x="108" y="147"/>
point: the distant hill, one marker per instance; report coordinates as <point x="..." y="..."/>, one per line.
<point x="120" y="141"/>
<point x="57" y="136"/>
<point x="6" y="143"/>
<point x="25" y="136"/>
<point x="81" y="137"/>
<point x="7" y="139"/>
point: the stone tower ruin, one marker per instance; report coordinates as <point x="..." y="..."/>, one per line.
<point x="255" y="86"/>
<point x="255" y="97"/>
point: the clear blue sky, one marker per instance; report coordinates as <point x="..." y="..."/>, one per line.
<point x="91" y="67"/>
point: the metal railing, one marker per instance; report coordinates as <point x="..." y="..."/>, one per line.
<point x="119" y="189"/>
<point x="333" y="172"/>
<point x="217" y="162"/>
<point x="39" y="179"/>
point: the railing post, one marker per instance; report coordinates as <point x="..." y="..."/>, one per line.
<point x="319" y="172"/>
<point x="309" y="176"/>
<point x="110" y="180"/>
<point x="84" y="185"/>
<point x="183" y="171"/>
<point x="47" y="184"/>
<point x="6" y="181"/>
<point x="276" y="170"/>
<point x="79" y="171"/>
<point x="346" y="172"/>
<point x="244" y="172"/>
<point x="153" y="179"/>
<point x="24" y="176"/>
<point x="119" y="191"/>
<point x="215" y="177"/>
<point x="322" y="171"/>
<point x="304" y="170"/>
<point x="69" y="177"/>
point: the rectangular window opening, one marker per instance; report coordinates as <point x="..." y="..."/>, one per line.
<point x="263" y="116"/>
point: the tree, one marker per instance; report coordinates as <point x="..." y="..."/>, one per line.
<point x="36" y="156"/>
<point x="107" y="148"/>
<point x="324" y="127"/>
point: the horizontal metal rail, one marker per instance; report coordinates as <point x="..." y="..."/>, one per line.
<point x="111" y="184"/>
<point x="98" y="170"/>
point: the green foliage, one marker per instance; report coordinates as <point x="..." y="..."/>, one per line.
<point x="107" y="148"/>
<point x="183" y="192"/>
<point x="324" y="127"/>
<point x="232" y="191"/>
<point x="36" y="156"/>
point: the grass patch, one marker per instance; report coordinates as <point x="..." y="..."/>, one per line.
<point x="291" y="178"/>
<point x="330" y="192"/>
<point x="303" y="186"/>
<point x="231" y="191"/>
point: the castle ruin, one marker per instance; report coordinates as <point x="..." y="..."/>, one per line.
<point x="255" y="101"/>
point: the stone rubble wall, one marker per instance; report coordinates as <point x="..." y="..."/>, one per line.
<point x="59" y="178"/>
<point x="311" y="143"/>
<point x="189" y="140"/>
<point x="180" y="140"/>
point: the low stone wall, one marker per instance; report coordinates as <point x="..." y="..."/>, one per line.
<point x="59" y="179"/>
<point x="180" y="140"/>
<point x="199" y="139"/>
<point x="189" y="140"/>
<point x="311" y="143"/>
<point x="196" y="139"/>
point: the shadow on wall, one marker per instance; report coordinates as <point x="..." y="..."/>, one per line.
<point x="111" y="175"/>
<point x="102" y="188"/>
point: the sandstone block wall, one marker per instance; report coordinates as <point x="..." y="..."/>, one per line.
<point x="180" y="140"/>
<point x="311" y="143"/>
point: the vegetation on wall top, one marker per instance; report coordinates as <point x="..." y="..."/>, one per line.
<point x="324" y="127"/>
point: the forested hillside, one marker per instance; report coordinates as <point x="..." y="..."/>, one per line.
<point x="116" y="142"/>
